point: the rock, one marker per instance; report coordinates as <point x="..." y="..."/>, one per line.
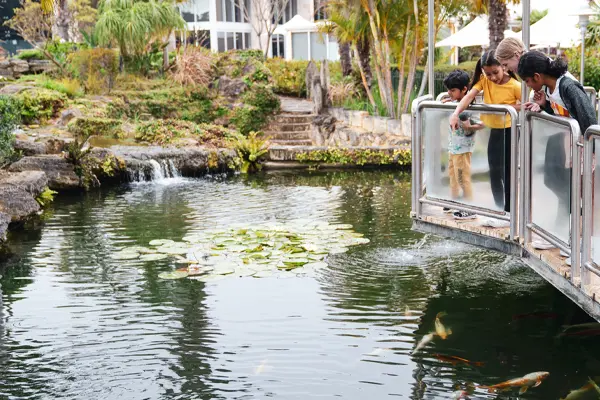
<point x="231" y="87"/>
<point x="54" y="145"/>
<point x="39" y="66"/>
<point x="311" y="73"/>
<point x="14" y="89"/>
<point x="4" y="221"/>
<point x="323" y="127"/>
<point x="249" y="69"/>
<point x="30" y="148"/>
<point x="59" y="171"/>
<point x="17" y="203"/>
<point x="19" y="67"/>
<point x="69" y="115"/>
<point x="7" y="73"/>
<point x="33" y="182"/>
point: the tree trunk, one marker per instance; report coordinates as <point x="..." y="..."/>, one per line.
<point x="363" y="50"/>
<point x="365" y="81"/>
<point x="424" y="80"/>
<point x="345" y="60"/>
<point x="63" y="20"/>
<point x="401" y="67"/>
<point x="411" y="74"/>
<point x="498" y="21"/>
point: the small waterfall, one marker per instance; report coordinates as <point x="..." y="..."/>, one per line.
<point x="155" y="171"/>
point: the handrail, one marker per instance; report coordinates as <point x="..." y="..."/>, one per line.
<point x="442" y="96"/>
<point x="416" y="163"/>
<point x="527" y="225"/>
<point x="587" y="262"/>
<point x="591" y="91"/>
<point x="417" y="181"/>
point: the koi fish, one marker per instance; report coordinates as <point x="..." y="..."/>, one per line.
<point x="594" y="385"/>
<point x="440" y="329"/>
<point x="578" y="393"/>
<point x="426" y="339"/>
<point x="533" y="379"/>
<point x="454" y="360"/>
<point x="460" y="394"/>
<point x="261" y="368"/>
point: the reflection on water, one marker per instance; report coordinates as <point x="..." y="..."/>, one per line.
<point x="76" y="324"/>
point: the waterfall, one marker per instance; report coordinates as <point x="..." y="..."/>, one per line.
<point x="155" y="171"/>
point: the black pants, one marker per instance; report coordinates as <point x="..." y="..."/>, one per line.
<point x="498" y="152"/>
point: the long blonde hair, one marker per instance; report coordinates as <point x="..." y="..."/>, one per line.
<point x="508" y="47"/>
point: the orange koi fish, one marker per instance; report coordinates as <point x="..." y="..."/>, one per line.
<point x="533" y="379"/>
<point x="440" y="329"/>
<point x="454" y="360"/>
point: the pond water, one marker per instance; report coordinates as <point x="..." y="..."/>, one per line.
<point x="76" y="324"/>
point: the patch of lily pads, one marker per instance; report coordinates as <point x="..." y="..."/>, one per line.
<point x="272" y="249"/>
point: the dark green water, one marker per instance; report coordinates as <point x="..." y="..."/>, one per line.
<point x="76" y="324"/>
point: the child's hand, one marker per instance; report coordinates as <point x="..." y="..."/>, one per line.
<point x="540" y="98"/>
<point x="454" y="121"/>
<point x="466" y="125"/>
<point x="534" y="107"/>
<point x="446" y="100"/>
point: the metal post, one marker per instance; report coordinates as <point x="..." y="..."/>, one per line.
<point x="582" y="65"/>
<point x="588" y="214"/>
<point x="575" y="203"/>
<point x="514" y="137"/>
<point x="526" y="182"/>
<point x="431" y="45"/>
<point x="523" y="159"/>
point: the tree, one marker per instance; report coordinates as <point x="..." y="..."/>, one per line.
<point x="497" y="17"/>
<point x="264" y="16"/>
<point x="137" y="26"/>
<point x="35" y="26"/>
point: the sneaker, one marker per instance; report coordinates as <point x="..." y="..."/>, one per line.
<point x="462" y="215"/>
<point x="563" y="254"/>
<point x="542" y="245"/>
<point x="495" y="223"/>
<point x="448" y="210"/>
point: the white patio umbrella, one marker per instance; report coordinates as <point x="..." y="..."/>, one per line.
<point x="475" y="33"/>
<point x="557" y="29"/>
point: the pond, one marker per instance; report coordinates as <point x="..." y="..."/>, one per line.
<point x="76" y="323"/>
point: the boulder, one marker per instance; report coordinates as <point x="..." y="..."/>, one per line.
<point x="68" y="115"/>
<point x="33" y="182"/>
<point x="54" y="145"/>
<point x="30" y="148"/>
<point x="39" y="66"/>
<point x="59" y="171"/>
<point x="19" y="67"/>
<point x="17" y="202"/>
<point x="4" y="221"/>
<point x="231" y="87"/>
<point x="14" y="89"/>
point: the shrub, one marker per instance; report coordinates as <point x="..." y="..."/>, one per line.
<point x="341" y="91"/>
<point x="263" y="98"/>
<point x="86" y="127"/>
<point x="70" y="87"/>
<point x="10" y="116"/>
<point x="39" y="105"/>
<point x="31" y="54"/>
<point x="288" y="76"/>
<point x="592" y="65"/>
<point x="194" y="67"/>
<point x="163" y="132"/>
<point x="401" y="157"/>
<point x="216" y="135"/>
<point x="259" y="103"/>
<point x="251" y="151"/>
<point x="96" y="68"/>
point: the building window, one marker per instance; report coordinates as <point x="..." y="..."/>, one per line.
<point x="320" y="10"/>
<point x="195" y="11"/>
<point x="233" y="41"/>
<point x="290" y="10"/>
<point x="233" y="10"/>
<point x="198" y="38"/>
<point x="278" y="46"/>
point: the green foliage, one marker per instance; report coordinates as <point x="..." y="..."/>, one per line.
<point x="70" y="87"/>
<point x="165" y="131"/>
<point x="31" y="54"/>
<point x="592" y="65"/>
<point x="251" y="150"/>
<point x="96" y="69"/>
<point x="216" y="135"/>
<point x="259" y="104"/>
<point x="39" y="105"/>
<point x="10" y="117"/>
<point x="86" y="127"/>
<point x="400" y="157"/>
<point x="288" y="76"/>
<point x="60" y="51"/>
<point x="88" y="167"/>
<point x="46" y="197"/>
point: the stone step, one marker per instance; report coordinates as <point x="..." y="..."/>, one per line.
<point x="295" y="118"/>
<point x="287" y="135"/>
<point x="287" y="127"/>
<point x="291" y="142"/>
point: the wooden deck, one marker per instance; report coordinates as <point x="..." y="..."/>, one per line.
<point x="547" y="263"/>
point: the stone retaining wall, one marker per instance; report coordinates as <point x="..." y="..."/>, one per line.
<point x="14" y="68"/>
<point x="370" y="123"/>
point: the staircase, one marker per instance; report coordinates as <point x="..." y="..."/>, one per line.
<point x="292" y="127"/>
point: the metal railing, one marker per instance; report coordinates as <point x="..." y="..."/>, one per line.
<point x="416" y="166"/>
<point x="420" y="196"/>
<point x="527" y="225"/>
<point x="593" y="98"/>
<point x="587" y="260"/>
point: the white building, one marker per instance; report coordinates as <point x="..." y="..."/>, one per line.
<point x="221" y="25"/>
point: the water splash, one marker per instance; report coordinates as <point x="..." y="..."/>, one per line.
<point x="161" y="171"/>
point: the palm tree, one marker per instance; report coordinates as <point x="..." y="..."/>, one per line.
<point x="497" y="17"/>
<point x="135" y="26"/>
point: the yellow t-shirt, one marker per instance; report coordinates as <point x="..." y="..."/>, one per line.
<point x="509" y="93"/>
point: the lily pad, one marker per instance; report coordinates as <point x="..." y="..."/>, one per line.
<point x="360" y="240"/>
<point x="315" y="265"/>
<point x="138" y="249"/>
<point x="208" y="278"/>
<point x="244" y="272"/>
<point x="172" y="250"/>
<point x="173" y="275"/>
<point x="160" y="242"/>
<point x="223" y="271"/>
<point x="295" y="261"/>
<point x="126" y="255"/>
<point x="263" y="274"/>
<point x="153" y="257"/>
<point x="338" y="250"/>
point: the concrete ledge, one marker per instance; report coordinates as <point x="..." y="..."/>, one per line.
<point x="289" y="153"/>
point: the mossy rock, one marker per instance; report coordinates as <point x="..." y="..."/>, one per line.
<point x="86" y="127"/>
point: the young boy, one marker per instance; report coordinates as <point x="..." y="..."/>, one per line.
<point x="460" y="143"/>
